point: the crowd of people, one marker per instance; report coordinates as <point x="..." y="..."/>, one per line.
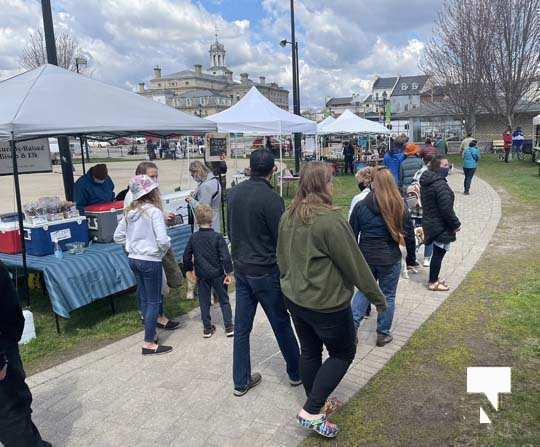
<point x="307" y="266"/>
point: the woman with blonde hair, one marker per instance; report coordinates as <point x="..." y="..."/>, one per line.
<point x="208" y="192"/>
<point x="363" y="178"/>
<point x="142" y="230"/>
<point x="320" y="264"/>
<point x="379" y="224"/>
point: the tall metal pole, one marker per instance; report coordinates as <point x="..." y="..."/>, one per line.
<point x="26" y="292"/>
<point x="296" y="92"/>
<point x="63" y="142"/>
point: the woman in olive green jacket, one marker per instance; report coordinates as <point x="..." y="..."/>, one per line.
<point x="320" y="264"/>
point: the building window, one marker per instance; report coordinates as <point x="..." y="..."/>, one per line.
<point x="187" y="82"/>
<point x="188" y="102"/>
<point x="159" y="84"/>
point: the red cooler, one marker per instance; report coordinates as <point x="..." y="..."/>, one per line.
<point x="103" y="219"/>
<point x="10" y="238"/>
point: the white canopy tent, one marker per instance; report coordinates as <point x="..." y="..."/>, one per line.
<point x="324" y="123"/>
<point x="254" y="114"/>
<point x="52" y="101"/>
<point x="536" y="120"/>
<point x="349" y="123"/>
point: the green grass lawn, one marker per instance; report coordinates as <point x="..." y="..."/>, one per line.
<point x="492" y="319"/>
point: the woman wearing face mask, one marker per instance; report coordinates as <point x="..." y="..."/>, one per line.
<point x="208" y="192"/>
<point x="363" y="178"/>
<point x="440" y="223"/>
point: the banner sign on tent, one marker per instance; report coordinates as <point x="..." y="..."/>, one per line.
<point x="217" y="146"/>
<point x="32" y="157"/>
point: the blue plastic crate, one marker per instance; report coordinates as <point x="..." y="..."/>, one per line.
<point x="40" y="238"/>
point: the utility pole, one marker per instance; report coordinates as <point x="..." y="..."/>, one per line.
<point x="63" y="142"/>
<point x="296" y="92"/>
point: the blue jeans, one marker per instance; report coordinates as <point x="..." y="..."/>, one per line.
<point x="428" y="250"/>
<point x="148" y="275"/>
<point x="387" y="277"/>
<point x="266" y="290"/>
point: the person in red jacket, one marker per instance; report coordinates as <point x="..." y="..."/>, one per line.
<point x="507" y="139"/>
<point x="428" y="151"/>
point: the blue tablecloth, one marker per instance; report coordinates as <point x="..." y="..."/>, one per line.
<point x="102" y="270"/>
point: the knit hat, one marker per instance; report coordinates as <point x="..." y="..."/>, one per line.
<point x="411" y="149"/>
<point x="100" y="171"/>
<point x="140" y="185"/>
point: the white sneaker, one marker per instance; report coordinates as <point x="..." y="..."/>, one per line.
<point x="427" y="261"/>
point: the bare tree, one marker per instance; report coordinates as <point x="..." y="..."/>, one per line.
<point x="35" y="53"/>
<point x="451" y="58"/>
<point x="510" y="67"/>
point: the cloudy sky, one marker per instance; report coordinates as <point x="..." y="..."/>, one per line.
<point x="343" y="43"/>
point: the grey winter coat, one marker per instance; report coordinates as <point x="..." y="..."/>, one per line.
<point x="410" y="166"/>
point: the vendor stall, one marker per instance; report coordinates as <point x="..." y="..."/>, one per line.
<point x="51" y="102"/>
<point x="350" y="124"/>
<point x="254" y="114"/>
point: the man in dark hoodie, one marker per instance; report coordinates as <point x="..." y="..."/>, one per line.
<point x="16" y="426"/>
<point x="394" y="157"/>
<point x="439" y="222"/>
<point x="94" y="187"/>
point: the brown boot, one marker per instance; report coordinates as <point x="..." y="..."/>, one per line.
<point x="383" y="339"/>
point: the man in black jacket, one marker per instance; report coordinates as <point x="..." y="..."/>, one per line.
<point x="254" y="211"/>
<point x="16" y="426"/>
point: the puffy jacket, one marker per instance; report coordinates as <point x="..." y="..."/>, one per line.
<point x="89" y="192"/>
<point x="211" y="258"/>
<point x="471" y="155"/>
<point x="439" y="220"/>
<point x="410" y="166"/>
<point x="376" y="242"/>
<point x="144" y="233"/>
<point x="392" y="160"/>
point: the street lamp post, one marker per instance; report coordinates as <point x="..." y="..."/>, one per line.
<point x="296" y="88"/>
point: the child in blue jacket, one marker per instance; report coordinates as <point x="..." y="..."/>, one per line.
<point x="471" y="155"/>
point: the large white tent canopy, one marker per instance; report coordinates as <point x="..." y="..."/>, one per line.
<point x="324" y="123"/>
<point x="349" y="123"/>
<point x="536" y="120"/>
<point x="257" y="115"/>
<point x="52" y="101"/>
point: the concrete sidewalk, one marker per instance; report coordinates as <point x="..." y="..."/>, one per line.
<point x="114" y="397"/>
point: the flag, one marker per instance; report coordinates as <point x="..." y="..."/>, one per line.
<point x="388" y="113"/>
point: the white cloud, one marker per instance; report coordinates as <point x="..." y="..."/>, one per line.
<point x="343" y="43"/>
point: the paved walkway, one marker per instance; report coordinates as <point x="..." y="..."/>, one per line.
<point x="114" y="397"/>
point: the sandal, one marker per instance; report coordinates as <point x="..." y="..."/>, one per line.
<point x="331" y="406"/>
<point x="322" y="426"/>
<point x="438" y="287"/>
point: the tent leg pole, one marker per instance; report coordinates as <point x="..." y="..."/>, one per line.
<point x="57" y="322"/>
<point x="111" y="300"/>
<point x="82" y="154"/>
<point x="26" y="292"/>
